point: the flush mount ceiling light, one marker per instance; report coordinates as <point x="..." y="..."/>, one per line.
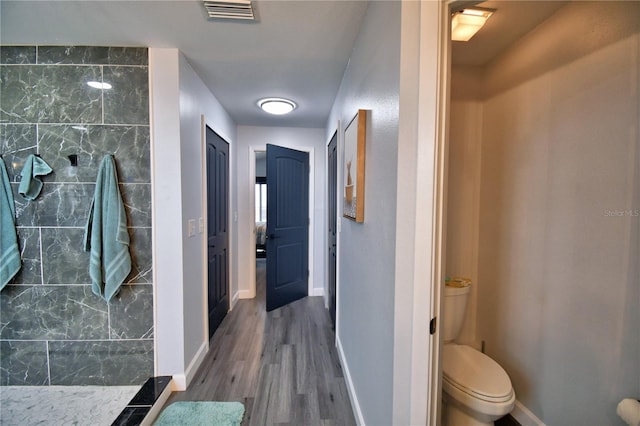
<point x="229" y="9"/>
<point x="277" y="106"/>
<point x="98" y="85"/>
<point x="466" y="23"/>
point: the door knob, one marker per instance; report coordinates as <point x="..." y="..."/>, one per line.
<point x="271" y="236"/>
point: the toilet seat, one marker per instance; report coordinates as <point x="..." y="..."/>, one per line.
<point x="474" y="373"/>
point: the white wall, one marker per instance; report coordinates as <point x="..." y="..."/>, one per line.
<point x="195" y="101"/>
<point x="463" y="202"/>
<point x="367" y="251"/>
<point x="257" y="138"/>
<point x="559" y="229"/>
<point x="167" y="210"/>
<point x="261" y="164"/>
<point x="179" y="99"/>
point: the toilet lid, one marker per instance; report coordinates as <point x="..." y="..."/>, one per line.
<point x="475" y="373"/>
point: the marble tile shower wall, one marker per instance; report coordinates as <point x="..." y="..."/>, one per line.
<point x="53" y="329"/>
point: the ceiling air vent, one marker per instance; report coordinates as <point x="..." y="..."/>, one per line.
<point x="229" y="9"/>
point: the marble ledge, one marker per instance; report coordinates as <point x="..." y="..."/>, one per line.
<point x="88" y="405"/>
<point x="153" y="391"/>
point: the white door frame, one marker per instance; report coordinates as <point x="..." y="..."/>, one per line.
<point x="421" y="196"/>
<point x="204" y="123"/>
<point x="337" y="132"/>
<point x="252" y="214"/>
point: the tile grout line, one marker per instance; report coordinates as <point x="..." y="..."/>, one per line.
<point x="41" y="256"/>
<point x="73" y="65"/>
<point x="48" y="363"/>
<point x="78" y="341"/>
<point x="109" y="321"/>
<point x="102" y="90"/>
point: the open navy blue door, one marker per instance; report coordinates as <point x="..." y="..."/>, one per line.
<point x="287" y="225"/>
<point x="217" y="222"/>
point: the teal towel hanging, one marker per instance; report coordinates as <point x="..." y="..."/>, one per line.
<point x="10" y="262"/>
<point x="31" y="185"/>
<point x="106" y="235"/>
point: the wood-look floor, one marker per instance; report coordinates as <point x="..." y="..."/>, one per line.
<point x="282" y="365"/>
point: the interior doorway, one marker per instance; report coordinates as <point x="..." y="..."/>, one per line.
<point x="260" y="206"/>
<point x="332" y="222"/>
<point x="255" y="152"/>
<point x="217" y="161"/>
<point x="287" y="226"/>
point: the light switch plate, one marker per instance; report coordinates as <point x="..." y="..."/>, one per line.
<point x="200" y="226"/>
<point x="191" y="227"/>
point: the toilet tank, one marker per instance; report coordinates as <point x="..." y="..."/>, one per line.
<point x="454" y="309"/>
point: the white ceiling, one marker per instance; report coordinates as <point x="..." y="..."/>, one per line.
<point x="296" y="49"/>
<point x="510" y="21"/>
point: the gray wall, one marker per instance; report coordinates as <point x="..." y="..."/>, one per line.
<point x="54" y="330"/>
<point x="367" y="251"/>
<point x="261" y="164"/>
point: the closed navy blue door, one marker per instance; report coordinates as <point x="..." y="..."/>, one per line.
<point x="217" y="222"/>
<point x="332" y="213"/>
<point x="287" y="225"/>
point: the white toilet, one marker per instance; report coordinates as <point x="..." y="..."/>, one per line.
<point x="476" y="390"/>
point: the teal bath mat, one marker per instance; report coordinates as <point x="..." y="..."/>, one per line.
<point x="201" y="413"/>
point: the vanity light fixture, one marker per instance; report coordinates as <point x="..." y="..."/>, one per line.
<point x="99" y="85"/>
<point x="467" y="22"/>
<point x="277" y="106"/>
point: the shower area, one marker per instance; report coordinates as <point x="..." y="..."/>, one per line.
<point x="57" y="338"/>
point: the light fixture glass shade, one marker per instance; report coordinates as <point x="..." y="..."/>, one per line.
<point x="466" y="23"/>
<point x="277" y="106"/>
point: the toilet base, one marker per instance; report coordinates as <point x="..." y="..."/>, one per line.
<point x="452" y="415"/>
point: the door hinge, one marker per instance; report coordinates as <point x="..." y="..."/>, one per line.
<point x="432" y="325"/>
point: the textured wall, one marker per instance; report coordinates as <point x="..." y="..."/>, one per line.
<point x="367" y="251"/>
<point x="559" y="215"/>
<point x="53" y="329"/>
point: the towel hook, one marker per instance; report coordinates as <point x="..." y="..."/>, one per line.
<point x="73" y="158"/>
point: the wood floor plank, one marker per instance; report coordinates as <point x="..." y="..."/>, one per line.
<point x="282" y="365"/>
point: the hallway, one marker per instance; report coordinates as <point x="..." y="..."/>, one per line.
<point x="282" y="365"/>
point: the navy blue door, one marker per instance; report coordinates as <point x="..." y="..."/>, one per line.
<point x="217" y="222"/>
<point x="287" y="225"/>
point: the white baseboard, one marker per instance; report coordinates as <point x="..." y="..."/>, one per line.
<point x="234" y="300"/>
<point x="316" y="292"/>
<point x="350" y="389"/>
<point x="179" y="383"/>
<point x="246" y="294"/>
<point x="524" y="416"/>
<point x="195" y="363"/>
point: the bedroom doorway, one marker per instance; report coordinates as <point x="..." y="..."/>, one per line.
<point x="254" y="153"/>
<point x="287" y="226"/>
<point x="261" y="204"/>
